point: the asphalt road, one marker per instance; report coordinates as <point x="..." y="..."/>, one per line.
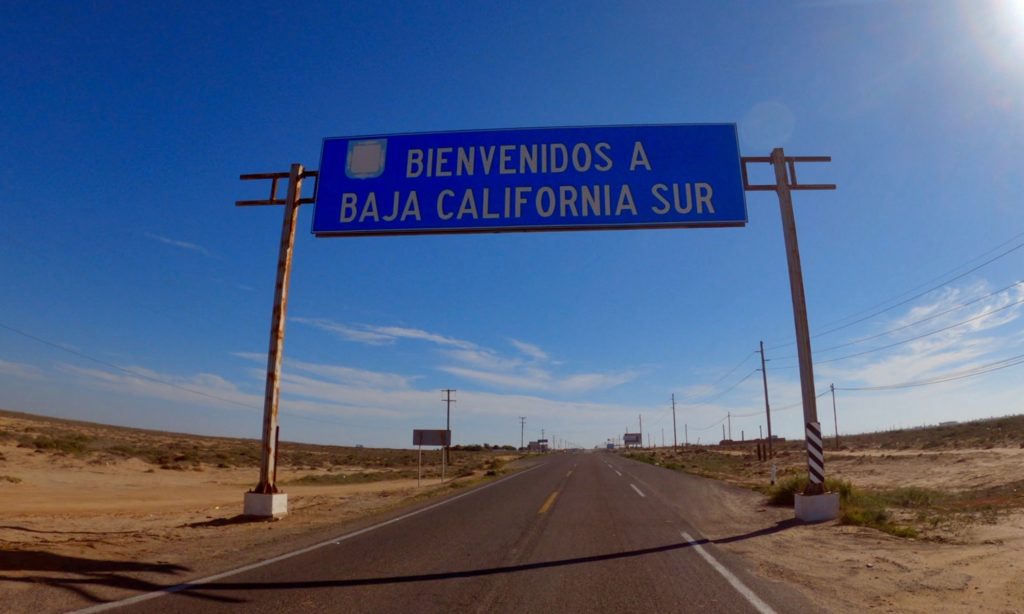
<point x="575" y="533"/>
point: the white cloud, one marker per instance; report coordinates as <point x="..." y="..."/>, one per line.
<point x="198" y="389"/>
<point x="382" y="335"/>
<point x="179" y="244"/>
<point x="539" y="380"/>
<point x="346" y="332"/>
<point x="530" y="370"/>
<point x="20" y="370"/>
<point x="345" y="375"/>
<point x="530" y="350"/>
<point x="398" y="332"/>
<point x="967" y="341"/>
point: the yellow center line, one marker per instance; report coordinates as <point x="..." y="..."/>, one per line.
<point x="547" y="504"/>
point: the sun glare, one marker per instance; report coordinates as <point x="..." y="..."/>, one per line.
<point x="997" y="28"/>
<point x="1015" y="11"/>
<point x="1010" y="18"/>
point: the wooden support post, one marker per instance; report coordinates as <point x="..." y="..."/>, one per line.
<point x="293" y="199"/>
<point x="272" y="391"/>
<point x="796" y="288"/>
<point x="785" y="182"/>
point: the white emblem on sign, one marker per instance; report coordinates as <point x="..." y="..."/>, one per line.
<point x="365" y="158"/>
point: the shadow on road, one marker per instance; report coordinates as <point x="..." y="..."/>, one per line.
<point x="11" y="527"/>
<point x="223" y="522"/>
<point x="474" y="573"/>
<point x="96" y="573"/>
<point x="79" y="575"/>
<point x="448" y="575"/>
<point x="781" y="525"/>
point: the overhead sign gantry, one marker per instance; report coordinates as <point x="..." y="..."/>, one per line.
<point x="543" y="179"/>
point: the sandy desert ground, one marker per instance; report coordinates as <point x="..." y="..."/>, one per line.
<point x="960" y="488"/>
<point x="83" y="520"/>
<point x="125" y="510"/>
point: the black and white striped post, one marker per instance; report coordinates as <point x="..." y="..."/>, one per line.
<point x="815" y="455"/>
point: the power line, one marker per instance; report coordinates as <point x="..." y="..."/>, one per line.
<point x="908" y="340"/>
<point x="783" y="408"/>
<point x="949" y="377"/>
<point x="732" y="370"/>
<point x="122" y="369"/>
<point x="157" y="380"/>
<point x="724" y="392"/>
<point x="936" y="278"/>
<point x="692" y="400"/>
<point x="921" y="336"/>
<point x="713" y="425"/>
<point x="919" y="294"/>
<point x="916" y="322"/>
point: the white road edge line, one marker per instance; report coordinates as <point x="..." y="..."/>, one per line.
<point x="619" y="472"/>
<point x="740" y="587"/>
<point x="336" y="540"/>
<point x="637" y="490"/>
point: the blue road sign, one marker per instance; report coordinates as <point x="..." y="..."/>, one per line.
<point x="587" y="178"/>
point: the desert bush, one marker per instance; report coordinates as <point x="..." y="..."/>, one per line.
<point x="912" y="497"/>
<point x="856" y="507"/>
<point x="354" y="478"/>
<point x="643" y="457"/>
<point x="782" y="494"/>
<point x="70" y="443"/>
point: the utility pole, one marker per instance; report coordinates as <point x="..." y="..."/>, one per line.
<point x="767" y="409"/>
<point x="686" y="435"/>
<point x="448" y="400"/>
<point x="785" y="182"/>
<point x="835" y="419"/>
<point x="723" y="431"/>
<point x="255" y="503"/>
<point x="641" y="429"/>
<point x="728" y="417"/>
<point x="522" y="431"/>
<point x="675" y="442"/>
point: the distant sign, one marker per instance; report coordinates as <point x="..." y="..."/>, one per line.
<point x="631" y="438"/>
<point x="431" y="437"/>
<point x="585" y="178"/>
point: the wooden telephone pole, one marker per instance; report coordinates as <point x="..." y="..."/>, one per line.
<point x="767" y="409"/>
<point x="675" y="436"/>
<point x="272" y="392"/>
<point x="785" y="183"/>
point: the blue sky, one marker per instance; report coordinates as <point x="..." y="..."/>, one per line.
<point x="126" y="266"/>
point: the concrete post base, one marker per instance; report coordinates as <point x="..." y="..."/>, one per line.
<point x="817" y="508"/>
<point x="265" y="506"/>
